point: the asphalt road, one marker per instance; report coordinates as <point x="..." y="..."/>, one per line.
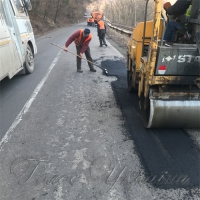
<point x="80" y="136"/>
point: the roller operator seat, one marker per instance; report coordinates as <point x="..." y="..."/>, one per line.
<point x="192" y="31"/>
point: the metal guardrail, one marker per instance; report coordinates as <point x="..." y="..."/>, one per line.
<point x="122" y="26"/>
<point x="119" y="27"/>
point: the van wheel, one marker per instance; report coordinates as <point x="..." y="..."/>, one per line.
<point x="29" y="62"/>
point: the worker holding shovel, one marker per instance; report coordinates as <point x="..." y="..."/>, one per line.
<point x="81" y="39"/>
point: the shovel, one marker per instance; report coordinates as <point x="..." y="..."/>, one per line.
<point x="104" y="70"/>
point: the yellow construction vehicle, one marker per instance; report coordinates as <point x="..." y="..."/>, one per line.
<point x="165" y="75"/>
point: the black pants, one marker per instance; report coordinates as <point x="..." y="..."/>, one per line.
<point x="102" y="37"/>
<point x="87" y="54"/>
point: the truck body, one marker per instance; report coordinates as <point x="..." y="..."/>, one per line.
<point x="97" y="15"/>
<point x="17" y="42"/>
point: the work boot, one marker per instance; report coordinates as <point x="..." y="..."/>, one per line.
<point x="79" y="70"/>
<point x="92" y="69"/>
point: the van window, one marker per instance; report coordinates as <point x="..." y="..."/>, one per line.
<point x="3" y="16"/>
<point x="19" y="6"/>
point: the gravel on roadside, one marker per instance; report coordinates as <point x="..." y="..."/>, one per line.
<point x="117" y="40"/>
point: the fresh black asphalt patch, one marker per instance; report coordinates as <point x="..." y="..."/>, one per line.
<point x="169" y="157"/>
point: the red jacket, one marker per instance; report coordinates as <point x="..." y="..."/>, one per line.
<point x="73" y="37"/>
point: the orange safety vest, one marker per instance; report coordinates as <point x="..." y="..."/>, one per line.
<point x="101" y="25"/>
<point x="78" y="40"/>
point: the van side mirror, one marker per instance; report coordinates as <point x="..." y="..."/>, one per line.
<point x="28" y="5"/>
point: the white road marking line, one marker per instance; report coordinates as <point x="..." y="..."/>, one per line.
<point x="26" y="107"/>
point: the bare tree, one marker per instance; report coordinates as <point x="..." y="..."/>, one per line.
<point x="127" y="12"/>
<point x="47" y="8"/>
<point x="36" y="6"/>
<point x="58" y="6"/>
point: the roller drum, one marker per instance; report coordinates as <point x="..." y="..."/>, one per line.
<point x="174" y="114"/>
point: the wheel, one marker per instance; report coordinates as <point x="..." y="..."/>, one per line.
<point x="131" y="79"/>
<point x="166" y="113"/>
<point x="145" y="110"/>
<point x="29" y="62"/>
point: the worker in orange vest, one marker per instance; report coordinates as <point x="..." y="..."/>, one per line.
<point x="81" y="39"/>
<point x="90" y="22"/>
<point x="101" y="30"/>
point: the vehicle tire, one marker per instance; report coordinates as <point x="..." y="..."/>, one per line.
<point x="29" y="61"/>
<point x="132" y="86"/>
<point x="145" y="112"/>
<point x="129" y="81"/>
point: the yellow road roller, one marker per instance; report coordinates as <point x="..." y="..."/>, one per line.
<point x="166" y="75"/>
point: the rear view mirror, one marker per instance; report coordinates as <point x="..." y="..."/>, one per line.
<point x="28" y="5"/>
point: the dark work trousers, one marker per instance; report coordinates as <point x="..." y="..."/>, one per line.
<point x="102" y="37"/>
<point x="87" y="54"/>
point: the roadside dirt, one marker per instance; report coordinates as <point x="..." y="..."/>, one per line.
<point x="42" y="26"/>
<point x="118" y="40"/>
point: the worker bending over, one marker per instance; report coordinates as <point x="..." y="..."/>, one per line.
<point x="81" y="39"/>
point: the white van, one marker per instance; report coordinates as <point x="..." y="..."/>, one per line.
<point x="17" y="42"/>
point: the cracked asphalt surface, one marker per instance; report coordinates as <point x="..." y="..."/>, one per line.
<point x="82" y="138"/>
